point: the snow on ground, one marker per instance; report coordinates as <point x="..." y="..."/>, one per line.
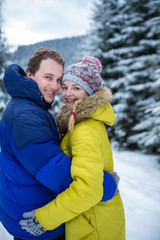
<point x="140" y="190"/>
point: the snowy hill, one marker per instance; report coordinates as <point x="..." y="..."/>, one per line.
<point x="140" y="191"/>
<point x="72" y="49"/>
<point x="67" y="47"/>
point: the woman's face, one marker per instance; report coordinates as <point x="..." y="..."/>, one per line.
<point x="71" y="92"/>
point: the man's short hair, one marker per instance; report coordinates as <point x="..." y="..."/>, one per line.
<point x="43" y="54"/>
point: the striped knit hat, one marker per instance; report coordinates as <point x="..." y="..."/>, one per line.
<point x="86" y="74"/>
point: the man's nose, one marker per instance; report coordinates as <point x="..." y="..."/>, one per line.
<point x="54" y="85"/>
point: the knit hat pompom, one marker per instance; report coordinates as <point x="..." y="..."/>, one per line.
<point x="93" y="62"/>
<point x="86" y="74"/>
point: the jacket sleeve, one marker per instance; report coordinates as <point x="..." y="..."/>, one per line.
<point x="86" y="190"/>
<point x="109" y="186"/>
<point x="37" y="150"/>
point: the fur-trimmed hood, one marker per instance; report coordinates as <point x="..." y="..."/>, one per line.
<point x="96" y="106"/>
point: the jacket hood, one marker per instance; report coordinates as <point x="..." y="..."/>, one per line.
<point x="18" y="85"/>
<point x="96" y="106"/>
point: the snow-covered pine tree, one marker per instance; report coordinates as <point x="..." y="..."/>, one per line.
<point x="131" y="71"/>
<point x="147" y="132"/>
<point x="142" y="28"/>
<point x="3" y="50"/>
<point x="105" y="25"/>
<point x="106" y="40"/>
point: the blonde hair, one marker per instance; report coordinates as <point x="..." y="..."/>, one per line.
<point x="71" y="121"/>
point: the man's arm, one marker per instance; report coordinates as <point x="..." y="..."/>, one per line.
<point x="38" y="151"/>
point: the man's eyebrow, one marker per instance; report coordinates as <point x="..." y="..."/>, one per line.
<point x="51" y="74"/>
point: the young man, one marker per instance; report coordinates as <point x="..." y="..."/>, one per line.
<point x="33" y="167"/>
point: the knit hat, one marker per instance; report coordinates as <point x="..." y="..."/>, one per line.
<point x="86" y="74"/>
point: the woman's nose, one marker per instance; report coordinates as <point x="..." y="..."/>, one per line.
<point x="69" y="92"/>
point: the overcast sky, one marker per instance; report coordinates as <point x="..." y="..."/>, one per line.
<point x="30" y="21"/>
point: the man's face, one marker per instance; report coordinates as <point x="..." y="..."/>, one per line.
<point x="48" y="78"/>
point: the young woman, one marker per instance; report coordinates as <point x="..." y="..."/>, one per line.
<point x="82" y="123"/>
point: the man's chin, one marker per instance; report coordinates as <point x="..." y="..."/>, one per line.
<point x="49" y="100"/>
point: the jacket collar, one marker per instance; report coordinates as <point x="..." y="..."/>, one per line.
<point x="18" y="85"/>
<point x="96" y="106"/>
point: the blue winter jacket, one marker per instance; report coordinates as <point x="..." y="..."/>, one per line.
<point x="33" y="168"/>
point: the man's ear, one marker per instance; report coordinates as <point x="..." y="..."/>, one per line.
<point x="28" y="74"/>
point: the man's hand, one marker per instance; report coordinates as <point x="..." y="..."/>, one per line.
<point x="117" y="179"/>
<point x="31" y="224"/>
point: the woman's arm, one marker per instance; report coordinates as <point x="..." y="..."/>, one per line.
<point x="86" y="190"/>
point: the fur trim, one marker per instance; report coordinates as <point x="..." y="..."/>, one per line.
<point x="85" y="108"/>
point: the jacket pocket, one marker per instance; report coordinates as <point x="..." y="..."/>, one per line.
<point x="78" y="228"/>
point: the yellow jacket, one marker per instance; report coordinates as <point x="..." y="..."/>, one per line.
<point x="79" y="206"/>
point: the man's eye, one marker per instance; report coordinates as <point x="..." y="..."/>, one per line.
<point x="48" y="77"/>
<point x="59" y="80"/>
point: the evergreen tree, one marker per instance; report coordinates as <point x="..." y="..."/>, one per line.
<point x="3" y="53"/>
<point x="109" y="46"/>
<point x="104" y="26"/>
<point x="106" y="41"/>
<point x="130" y="61"/>
<point x="147" y="132"/>
<point x="142" y="33"/>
